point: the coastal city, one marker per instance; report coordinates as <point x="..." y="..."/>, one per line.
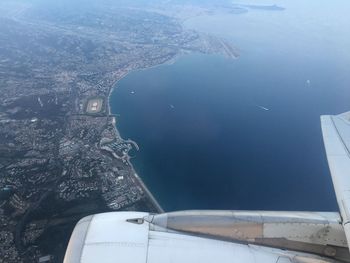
<point x="61" y="156"/>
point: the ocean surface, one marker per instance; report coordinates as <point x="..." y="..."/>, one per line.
<point x="217" y="133"/>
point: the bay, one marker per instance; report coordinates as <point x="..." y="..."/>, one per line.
<point x="216" y="133"/>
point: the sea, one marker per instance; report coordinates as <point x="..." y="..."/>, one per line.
<point x="220" y="133"/>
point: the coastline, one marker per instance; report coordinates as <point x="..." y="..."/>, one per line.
<point x="138" y="179"/>
<point x="136" y="176"/>
<point x="170" y="61"/>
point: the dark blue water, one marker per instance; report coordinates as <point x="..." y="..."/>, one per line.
<point x="208" y="143"/>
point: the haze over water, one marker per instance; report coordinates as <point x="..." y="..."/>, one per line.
<point x="217" y="133"/>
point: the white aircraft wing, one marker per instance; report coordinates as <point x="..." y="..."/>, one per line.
<point x="336" y="136"/>
<point x="208" y="237"/>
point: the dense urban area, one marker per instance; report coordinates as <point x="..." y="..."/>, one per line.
<point x="61" y="156"/>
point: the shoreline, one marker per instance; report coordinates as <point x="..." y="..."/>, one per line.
<point x="139" y="180"/>
<point x="136" y="176"/>
<point x="232" y="55"/>
<point x="169" y="62"/>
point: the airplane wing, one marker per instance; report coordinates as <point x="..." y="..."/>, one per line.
<point x="207" y="237"/>
<point x="336" y="136"/>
